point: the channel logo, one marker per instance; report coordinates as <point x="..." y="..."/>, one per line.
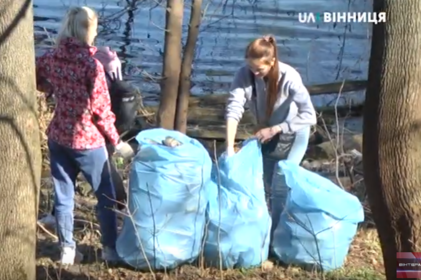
<point x="408" y="265"/>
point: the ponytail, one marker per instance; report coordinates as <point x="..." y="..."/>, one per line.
<point x="273" y="80"/>
<point x="265" y="48"/>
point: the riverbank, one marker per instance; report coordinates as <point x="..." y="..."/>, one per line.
<point x="336" y="155"/>
<point x="205" y="118"/>
<point x="338" y="126"/>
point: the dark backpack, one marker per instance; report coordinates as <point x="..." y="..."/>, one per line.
<point x="125" y="100"/>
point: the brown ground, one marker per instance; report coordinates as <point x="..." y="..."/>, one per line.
<point x="363" y="262"/>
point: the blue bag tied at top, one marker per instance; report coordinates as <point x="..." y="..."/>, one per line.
<point x="167" y="202"/>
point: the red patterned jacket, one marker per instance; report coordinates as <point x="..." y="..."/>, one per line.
<point x="78" y="83"/>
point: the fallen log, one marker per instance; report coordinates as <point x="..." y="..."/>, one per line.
<point x="213" y="115"/>
<point x="330" y="88"/>
<point x="209" y="123"/>
<point x="350" y="144"/>
<point x="342" y="87"/>
<point x="206" y="115"/>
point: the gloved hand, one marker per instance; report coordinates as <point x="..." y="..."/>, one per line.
<point x="230" y="151"/>
<point x="124" y="150"/>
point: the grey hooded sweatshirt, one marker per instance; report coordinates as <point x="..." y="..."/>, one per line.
<point x="301" y="110"/>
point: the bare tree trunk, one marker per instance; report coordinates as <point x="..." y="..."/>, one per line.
<point x="184" y="85"/>
<point x="172" y="64"/>
<point x="392" y="130"/>
<point x="20" y="157"/>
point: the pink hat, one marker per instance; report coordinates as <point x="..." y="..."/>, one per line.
<point x="110" y="61"/>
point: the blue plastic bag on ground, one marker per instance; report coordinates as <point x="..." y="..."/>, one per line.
<point x="238" y="216"/>
<point x="319" y="220"/>
<point x="167" y="202"/>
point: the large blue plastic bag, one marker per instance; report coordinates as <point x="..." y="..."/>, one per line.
<point x="167" y="202"/>
<point x="319" y="220"/>
<point x="238" y="217"/>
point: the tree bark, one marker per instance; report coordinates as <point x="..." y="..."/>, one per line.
<point x="189" y="50"/>
<point x="172" y="64"/>
<point x="20" y="157"/>
<point x="392" y="130"/>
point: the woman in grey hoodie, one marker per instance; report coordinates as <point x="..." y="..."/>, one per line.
<point x="278" y="99"/>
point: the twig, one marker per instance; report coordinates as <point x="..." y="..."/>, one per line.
<point x="47" y="231"/>
<point x="336" y="152"/>
<point x="130" y="215"/>
<point x="219" y="209"/>
<point x="337" y="135"/>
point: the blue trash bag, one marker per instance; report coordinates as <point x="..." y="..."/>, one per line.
<point x="319" y="220"/>
<point x="238" y="213"/>
<point x="167" y="200"/>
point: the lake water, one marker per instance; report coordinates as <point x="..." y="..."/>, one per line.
<point x="322" y="53"/>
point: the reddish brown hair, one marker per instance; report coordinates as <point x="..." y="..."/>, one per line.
<point x="265" y="48"/>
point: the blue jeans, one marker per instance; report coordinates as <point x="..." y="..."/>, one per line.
<point x="270" y="166"/>
<point x="65" y="164"/>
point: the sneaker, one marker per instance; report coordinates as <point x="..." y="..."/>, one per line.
<point x="109" y="255"/>
<point x="48" y="221"/>
<point x="70" y="256"/>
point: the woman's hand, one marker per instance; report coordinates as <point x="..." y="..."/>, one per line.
<point x="266" y="134"/>
<point x="124" y="150"/>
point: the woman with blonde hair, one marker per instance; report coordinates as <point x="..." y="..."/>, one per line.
<point x="76" y="134"/>
<point x="280" y="102"/>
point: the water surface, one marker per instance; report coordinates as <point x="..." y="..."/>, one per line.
<point x="322" y="53"/>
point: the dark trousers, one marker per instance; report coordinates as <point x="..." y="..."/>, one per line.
<point x="275" y="184"/>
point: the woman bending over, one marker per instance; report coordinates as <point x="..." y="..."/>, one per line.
<point x="279" y="101"/>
